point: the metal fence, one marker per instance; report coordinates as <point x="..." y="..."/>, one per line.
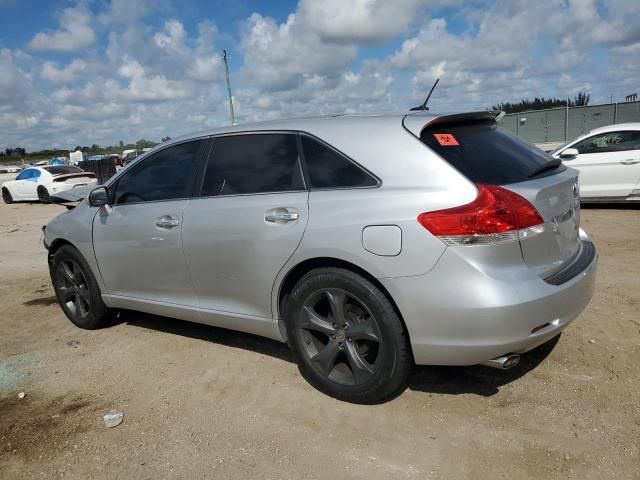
<point x="565" y="123"/>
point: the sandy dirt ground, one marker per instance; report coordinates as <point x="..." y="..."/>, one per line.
<point x="201" y="402"/>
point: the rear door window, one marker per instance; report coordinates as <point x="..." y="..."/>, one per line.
<point x="610" y="142"/>
<point x="485" y="153"/>
<point x="328" y="168"/>
<point x="24" y="175"/>
<point x="253" y="163"/>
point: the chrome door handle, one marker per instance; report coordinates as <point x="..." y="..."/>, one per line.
<point x="281" y="215"/>
<point x="630" y="161"/>
<point x="167" y="221"/>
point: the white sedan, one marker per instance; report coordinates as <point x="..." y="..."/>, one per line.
<point x="608" y="159"/>
<point x="39" y="183"/>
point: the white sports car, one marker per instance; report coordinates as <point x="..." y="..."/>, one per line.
<point x="39" y="183"/>
<point x="608" y="159"/>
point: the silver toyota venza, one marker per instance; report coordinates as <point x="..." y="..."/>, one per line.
<point x="367" y="243"/>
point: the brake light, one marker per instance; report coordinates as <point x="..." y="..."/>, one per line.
<point x="497" y="215"/>
<point x="68" y="176"/>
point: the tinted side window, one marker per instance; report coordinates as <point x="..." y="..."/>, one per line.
<point x="610" y="142"/>
<point x="163" y="176"/>
<point x="484" y="153"/>
<point x="253" y="163"/>
<point x="328" y="169"/>
<point x="29" y="174"/>
<point x="23" y="175"/>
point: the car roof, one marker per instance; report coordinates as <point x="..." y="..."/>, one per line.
<point x="376" y="141"/>
<point x="308" y="124"/>
<point x="616" y="127"/>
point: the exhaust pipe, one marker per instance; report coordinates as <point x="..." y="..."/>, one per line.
<point x="504" y="362"/>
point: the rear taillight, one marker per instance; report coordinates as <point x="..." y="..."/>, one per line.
<point x="64" y="178"/>
<point x="497" y="215"/>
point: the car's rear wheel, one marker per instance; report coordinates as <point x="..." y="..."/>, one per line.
<point x="76" y="289"/>
<point x="346" y="336"/>
<point x="6" y="196"/>
<point x="43" y="194"/>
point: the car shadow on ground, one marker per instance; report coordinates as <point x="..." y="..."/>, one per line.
<point x="478" y="380"/>
<point x="222" y="336"/>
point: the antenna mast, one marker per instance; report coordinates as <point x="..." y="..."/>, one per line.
<point x="424" y="105"/>
<point x="226" y="69"/>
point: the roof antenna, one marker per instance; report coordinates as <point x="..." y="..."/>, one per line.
<point x="424" y="105"/>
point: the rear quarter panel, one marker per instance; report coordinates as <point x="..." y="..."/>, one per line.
<point x="413" y="180"/>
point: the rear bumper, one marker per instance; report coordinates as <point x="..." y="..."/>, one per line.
<point x="459" y="314"/>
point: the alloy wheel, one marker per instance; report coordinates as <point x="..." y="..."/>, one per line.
<point x="341" y="337"/>
<point x="72" y="288"/>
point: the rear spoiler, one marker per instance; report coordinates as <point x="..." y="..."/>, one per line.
<point x="415" y="122"/>
<point x="64" y="176"/>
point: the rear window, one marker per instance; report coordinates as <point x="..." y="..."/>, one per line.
<point x="62" y="169"/>
<point x="484" y="153"/>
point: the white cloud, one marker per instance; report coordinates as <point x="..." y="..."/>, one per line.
<point x="282" y="56"/>
<point x="75" y="33"/>
<point x="15" y="83"/>
<point x="172" y="39"/>
<point x="149" y="88"/>
<point x="52" y="73"/>
<point x="359" y="21"/>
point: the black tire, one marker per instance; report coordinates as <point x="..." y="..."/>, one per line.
<point x="346" y="336"/>
<point x="77" y="290"/>
<point x="43" y="194"/>
<point x="6" y="196"/>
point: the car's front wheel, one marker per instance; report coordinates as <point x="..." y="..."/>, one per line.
<point x="76" y="289"/>
<point x="6" y="196"/>
<point x="346" y="336"/>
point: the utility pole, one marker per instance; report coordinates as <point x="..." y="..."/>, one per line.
<point x="226" y="69"/>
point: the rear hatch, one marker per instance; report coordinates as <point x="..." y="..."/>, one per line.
<point x="486" y="154"/>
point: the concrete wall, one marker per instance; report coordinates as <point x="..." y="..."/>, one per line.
<point x="563" y="124"/>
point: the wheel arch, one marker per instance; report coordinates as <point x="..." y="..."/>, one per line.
<point x="55" y="246"/>
<point x="298" y="271"/>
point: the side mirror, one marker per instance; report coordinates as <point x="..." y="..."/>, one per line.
<point x="99" y="197"/>
<point x="569" y="154"/>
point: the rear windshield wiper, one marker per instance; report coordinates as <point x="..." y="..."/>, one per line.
<point x="550" y="165"/>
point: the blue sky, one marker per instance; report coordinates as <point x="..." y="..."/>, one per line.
<point x="84" y="72"/>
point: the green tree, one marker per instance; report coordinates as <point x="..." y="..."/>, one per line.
<point x="582" y="99"/>
<point x="142" y="143"/>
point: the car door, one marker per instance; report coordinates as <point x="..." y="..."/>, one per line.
<point x="26" y="185"/>
<point x="138" y="238"/>
<point x="609" y="164"/>
<point x="246" y="223"/>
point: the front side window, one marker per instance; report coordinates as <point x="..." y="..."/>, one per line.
<point x="253" y="163"/>
<point x="165" y="175"/>
<point x="30" y="174"/>
<point x="329" y="169"/>
<point x="610" y="142"/>
<point x="25" y="174"/>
